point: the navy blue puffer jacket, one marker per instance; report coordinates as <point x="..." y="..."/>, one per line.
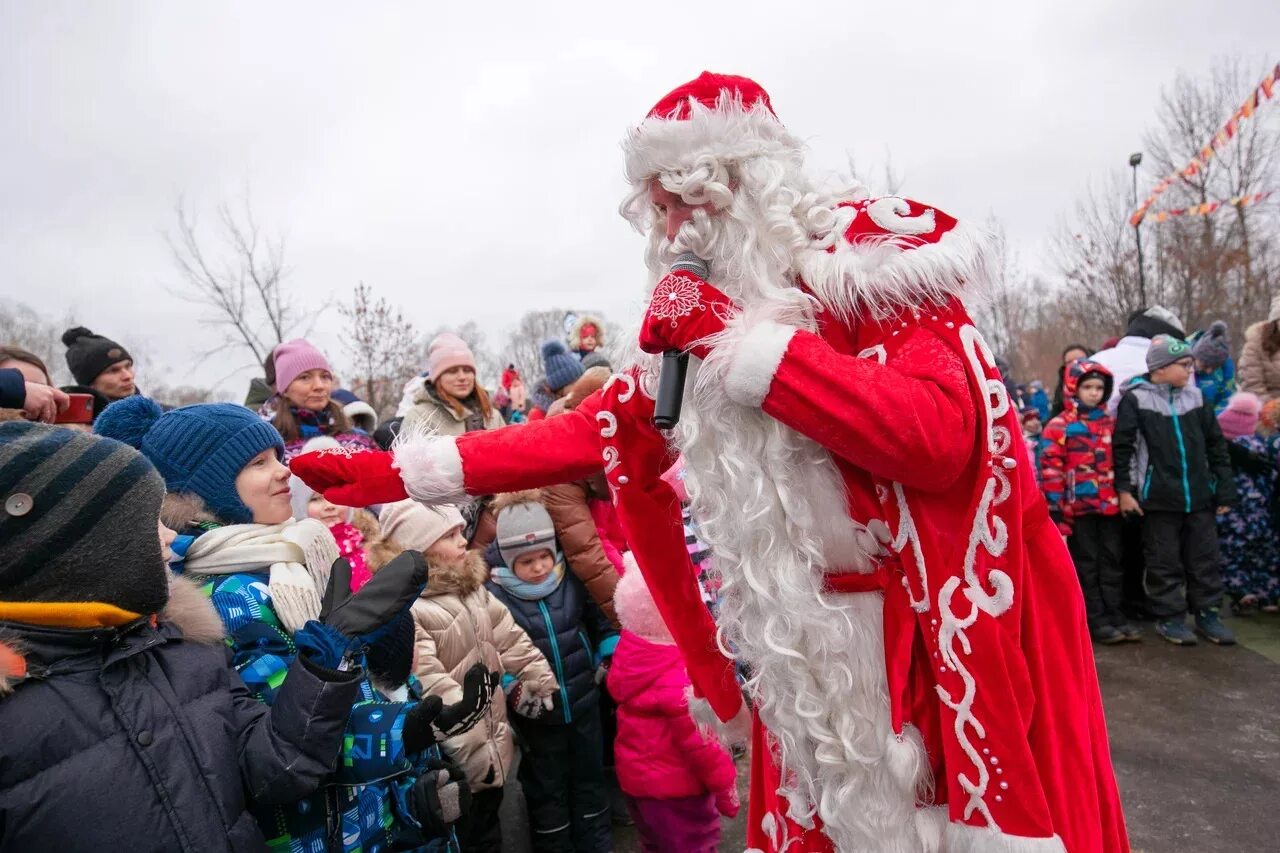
<point x="134" y="738"/>
<point x="574" y="634"/>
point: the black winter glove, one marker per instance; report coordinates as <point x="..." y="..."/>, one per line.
<point x="440" y="798"/>
<point x="351" y="622"/>
<point x="431" y="721"/>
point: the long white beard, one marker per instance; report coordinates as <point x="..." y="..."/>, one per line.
<point x="772" y="506"/>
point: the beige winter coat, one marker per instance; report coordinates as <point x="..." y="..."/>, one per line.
<point x="457" y="623"/>
<point x="1258" y="372"/>
<point x="429" y="415"/>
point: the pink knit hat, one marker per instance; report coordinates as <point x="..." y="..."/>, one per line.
<point x="1240" y="417"/>
<point x="294" y="358"/>
<point x="445" y="352"/>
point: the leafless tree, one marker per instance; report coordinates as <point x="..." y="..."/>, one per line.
<point x="1014" y="310"/>
<point x="185" y="395"/>
<point x="1221" y="266"/>
<point x="23" y="326"/>
<point x="1097" y="256"/>
<point x="524" y="345"/>
<point x="383" y="348"/>
<point x="238" y="274"/>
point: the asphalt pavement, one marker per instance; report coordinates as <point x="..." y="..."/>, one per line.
<point x="1195" y="738"/>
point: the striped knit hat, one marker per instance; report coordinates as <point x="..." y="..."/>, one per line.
<point x="78" y="521"/>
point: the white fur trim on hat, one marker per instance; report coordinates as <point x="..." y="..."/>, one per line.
<point x="728" y="133"/>
<point x="360" y="409"/>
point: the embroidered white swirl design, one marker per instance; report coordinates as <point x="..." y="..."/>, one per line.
<point x="991" y="533"/>
<point x="626" y="379"/>
<point x="611" y="459"/>
<point x="890" y="213"/>
<point x="609" y="421"/>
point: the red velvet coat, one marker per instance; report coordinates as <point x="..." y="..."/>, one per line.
<point x="987" y="654"/>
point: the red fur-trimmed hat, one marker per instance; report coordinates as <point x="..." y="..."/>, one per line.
<point x="724" y="116"/>
<point x="708" y="89"/>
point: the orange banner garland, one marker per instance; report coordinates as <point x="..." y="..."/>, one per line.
<point x="1260" y="95"/>
<point x="1210" y="207"/>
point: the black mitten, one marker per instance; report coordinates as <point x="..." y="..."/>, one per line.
<point x="440" y="797"/>
<point x="431" y="721"/>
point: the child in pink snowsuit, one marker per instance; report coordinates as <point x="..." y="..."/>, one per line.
<point x="677" y="781"/>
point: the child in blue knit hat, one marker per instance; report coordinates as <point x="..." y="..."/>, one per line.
<point x="560" y="371"/>
<point x="267" y="576"/>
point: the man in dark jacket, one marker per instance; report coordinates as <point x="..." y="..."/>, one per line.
<point x="1173" y="469"/>
<point x="122" y="726"/>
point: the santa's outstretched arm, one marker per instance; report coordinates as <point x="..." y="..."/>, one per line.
<point x="910" y="420"/>
<point x="440" y="469"/>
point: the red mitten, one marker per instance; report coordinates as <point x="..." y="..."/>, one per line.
<point x="349" y="477"/>
<point x="727" y="802"/>
<point x="684" y="310"/>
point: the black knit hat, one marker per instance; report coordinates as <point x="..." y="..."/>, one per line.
<point x="78" y="520"/>
<point x="89" y="354"/>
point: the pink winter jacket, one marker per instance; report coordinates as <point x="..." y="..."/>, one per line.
<point x="659" y="751"/>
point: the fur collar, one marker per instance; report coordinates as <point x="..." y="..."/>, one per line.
<point x="180" y="511"/>
<point x="188" y="609"/>
<point x="457" y="580"/>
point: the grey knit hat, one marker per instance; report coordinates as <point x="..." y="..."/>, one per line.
<point x="78" y="520"/>
<point x="524" y="528"/>
<point x="1213" y="349"/>
<point x="1165" y="350"/>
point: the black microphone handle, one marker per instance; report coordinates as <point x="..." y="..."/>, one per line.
<point x="666" y="408"/>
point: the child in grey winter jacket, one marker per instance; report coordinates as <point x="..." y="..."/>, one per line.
<point x="1172" y="468"/>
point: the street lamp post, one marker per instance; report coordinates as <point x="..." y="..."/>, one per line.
<point x="1134" y="159"/>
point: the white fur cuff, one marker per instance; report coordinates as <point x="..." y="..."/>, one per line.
<point x="736" y="732"/>
<point x="431" y="469"/>
<point x="753" y="360"/>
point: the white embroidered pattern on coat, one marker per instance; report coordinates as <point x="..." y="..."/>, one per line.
<point x="890" y="213"/>
<point x="675" y="296"/>
<point x="907" y="534"/>
<point x="991" y="533"/>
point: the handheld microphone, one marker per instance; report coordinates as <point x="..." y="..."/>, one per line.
<point x="666" y="406"/>
<point x="675" y="364"/>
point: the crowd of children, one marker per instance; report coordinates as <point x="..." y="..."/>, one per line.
<point x="405" y="704"/>
<point x="1176" y="456"/>
<point x="397" y="662"/>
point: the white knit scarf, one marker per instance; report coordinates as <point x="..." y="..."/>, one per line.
<point x="298" y="556"/>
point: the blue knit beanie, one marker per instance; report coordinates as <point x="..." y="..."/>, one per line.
<point x="562" y="369"/>
<point x="198" y="449"/>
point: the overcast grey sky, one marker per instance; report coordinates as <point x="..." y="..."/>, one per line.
<point x="463" y="158"/>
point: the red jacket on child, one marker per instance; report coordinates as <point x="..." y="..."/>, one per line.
<point x="1077" y="468"/>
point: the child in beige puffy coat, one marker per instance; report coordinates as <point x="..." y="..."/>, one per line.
<point x="458" y="623"/>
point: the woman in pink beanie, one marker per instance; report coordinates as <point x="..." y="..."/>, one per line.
<point x="302" y="408"/>
<point x="678" y="782"/>
<point x="1246" y="534"/>
<point x="451" y="401"/>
